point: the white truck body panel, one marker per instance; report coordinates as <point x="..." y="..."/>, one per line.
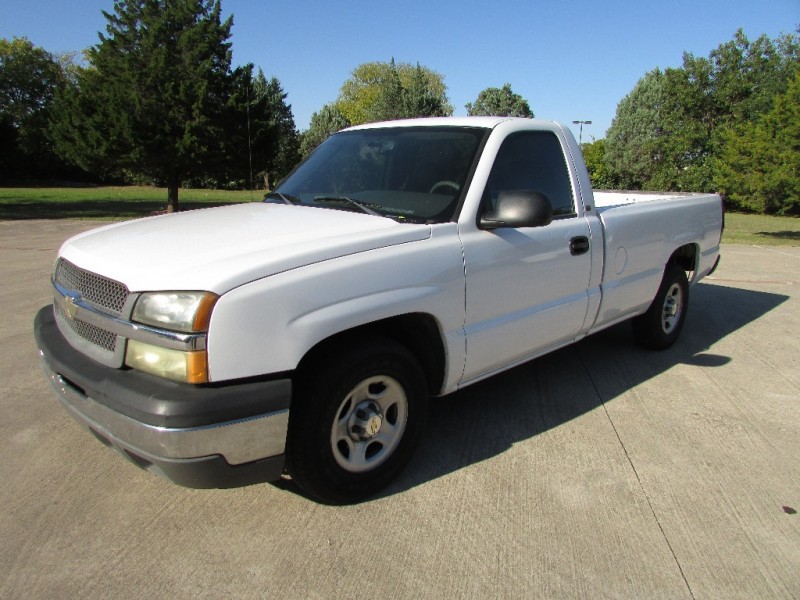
<point x="302" y="307"/>
<point x="638" y="240"/>
<point x="506" y="299"/>
<point x="219" y="249"/>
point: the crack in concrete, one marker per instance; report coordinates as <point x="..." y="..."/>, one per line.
<point x="639" y="480"/>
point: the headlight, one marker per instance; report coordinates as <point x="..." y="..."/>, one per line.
<point x="178" y="311"/>
<point x="184" y="312"/>
<point x="191" y="367"/>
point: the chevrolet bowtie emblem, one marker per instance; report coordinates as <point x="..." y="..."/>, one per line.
<point x="70" y="307"/>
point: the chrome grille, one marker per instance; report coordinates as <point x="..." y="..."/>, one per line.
<point x="101" y="291"/>
<point x="91" y="333"/>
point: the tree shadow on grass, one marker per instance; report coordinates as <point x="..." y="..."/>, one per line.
<point x="781" y="235"/>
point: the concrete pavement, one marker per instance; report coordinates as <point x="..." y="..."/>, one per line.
<point x="600" y="471"/>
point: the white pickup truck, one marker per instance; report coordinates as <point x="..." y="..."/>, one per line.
<point x="303" y="335"/>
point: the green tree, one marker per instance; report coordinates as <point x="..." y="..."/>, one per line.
<point x="388" y="103"/>
<point x="501" y="102"/>
<point x="671" y="127"/>
<point x="632" y="155"/>
<point x="153" y="99"/>
<point x="736" y="83"/>
<point x="378" y="91"/>
<point x="421" y="98"/>
<point x="29" y="80"/>
<point x="594" y="154"/>
<point x="758" y="168"/>
<point x="285" y="151"/>
<point x="260" y="136"/>
<point x="746" y="76"/>
<point x="686" y="124"/>
<point x="324" y="123"/>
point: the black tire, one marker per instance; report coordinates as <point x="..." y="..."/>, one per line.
<point x="356" y="417"/>
<point x="660" y="326"/>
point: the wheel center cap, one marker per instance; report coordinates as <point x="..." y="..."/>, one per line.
<point x="366" y="422"/>
<point x="671" y="308"/>
<point x="374" y="425"/>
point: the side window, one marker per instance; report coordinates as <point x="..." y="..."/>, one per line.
<point x="532" y="160"/>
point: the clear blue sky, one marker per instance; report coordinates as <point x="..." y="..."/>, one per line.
<point x="570" y="60"/>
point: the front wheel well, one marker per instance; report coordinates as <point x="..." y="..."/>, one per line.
<point x="418" y="332"/>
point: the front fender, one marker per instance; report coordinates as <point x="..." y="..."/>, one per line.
<point x="267" y="326"/>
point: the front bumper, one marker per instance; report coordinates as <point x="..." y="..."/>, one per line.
<point x="215" y="435"/>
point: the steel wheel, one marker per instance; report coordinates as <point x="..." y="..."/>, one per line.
<point x="660" y="326"/>
<point x="370" y="423"/>
<point x="673" y="308"/>
<point x="357" y="414"/>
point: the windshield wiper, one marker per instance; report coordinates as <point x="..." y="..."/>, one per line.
<point x="345" y="199"/>
<point x="290" y="200"/>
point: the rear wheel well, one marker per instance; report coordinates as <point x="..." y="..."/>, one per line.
<point x="418" y="332"/>
<point x="685" y="257"/>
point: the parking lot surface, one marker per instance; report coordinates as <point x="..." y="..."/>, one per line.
<point x="599" y="471"/>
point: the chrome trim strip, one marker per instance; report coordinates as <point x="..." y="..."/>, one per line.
<point x="239" y="442"/>
<point x="74" y="306"/>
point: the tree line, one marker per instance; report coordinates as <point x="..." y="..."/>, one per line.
<point x="727" y="123"/>
<point x="379" y="91"/>
<point x="157" y="101"/>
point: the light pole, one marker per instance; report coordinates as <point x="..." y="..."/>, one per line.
<point x="580" y="132"/>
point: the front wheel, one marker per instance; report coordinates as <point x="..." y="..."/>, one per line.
<point x="660" y="326"/>
<point x="358" y="413"/>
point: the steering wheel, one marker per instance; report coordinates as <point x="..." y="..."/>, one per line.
<point x="444" y="183"/>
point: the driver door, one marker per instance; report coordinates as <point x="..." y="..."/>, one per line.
<point x="527" y="288"/>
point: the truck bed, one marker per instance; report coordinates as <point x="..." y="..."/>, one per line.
<point x="641" y="229"/>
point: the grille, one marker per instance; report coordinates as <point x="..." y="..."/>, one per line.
<point x="101" y="291"/>
<point x="91" y="333"/>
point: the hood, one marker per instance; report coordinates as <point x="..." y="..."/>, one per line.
<point x="218" y="249"/>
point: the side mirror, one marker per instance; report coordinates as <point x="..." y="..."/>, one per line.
<point x="519" y="208"/>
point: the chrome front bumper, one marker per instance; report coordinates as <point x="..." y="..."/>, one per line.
<point x="215" y="435"/>
<point x="240" y="441"/>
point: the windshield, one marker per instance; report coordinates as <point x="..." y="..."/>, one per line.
<point x="413" y="174"/>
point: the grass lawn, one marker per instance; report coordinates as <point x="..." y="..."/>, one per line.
<point x="761" y="230"/>
<point x="107" y="203"/>
<point x="116" y="203"/>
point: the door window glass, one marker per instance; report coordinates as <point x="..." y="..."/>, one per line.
<point x="532" y="160"/>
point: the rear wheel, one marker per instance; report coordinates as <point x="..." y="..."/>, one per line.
<point x="660" y="326"/>
<point x="356" y="417"/>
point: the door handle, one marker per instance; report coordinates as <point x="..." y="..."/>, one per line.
<point x="579" y="245"/>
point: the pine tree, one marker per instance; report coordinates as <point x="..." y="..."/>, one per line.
<point x="153" y="100"/>
<point x="261" y="141"/>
